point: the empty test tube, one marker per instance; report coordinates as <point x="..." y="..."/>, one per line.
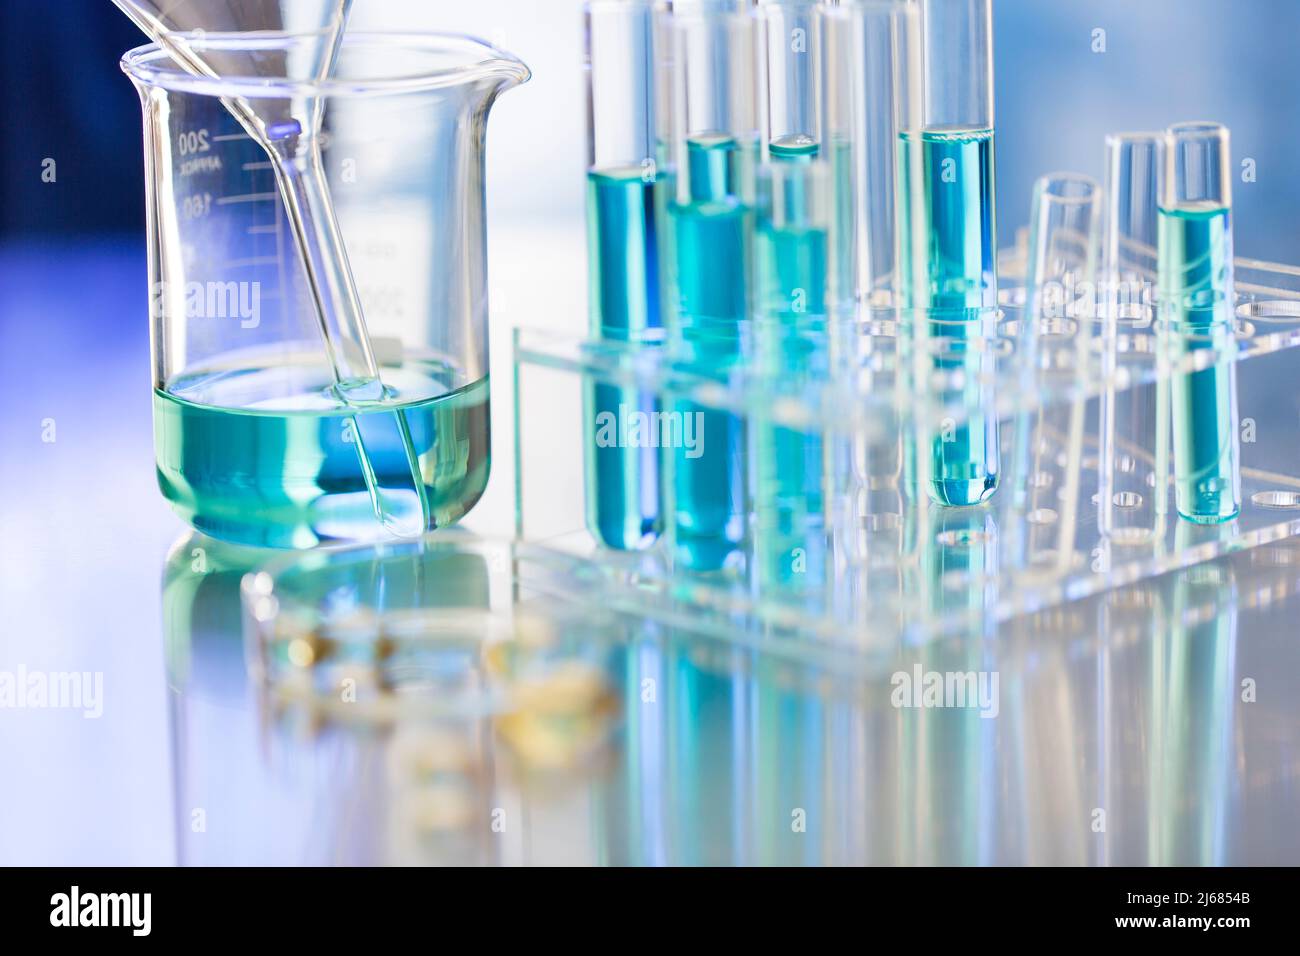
<point x="1056" y="331"/>
<point x="870" y="58"/>
<point x="626" y="207"/>
<point x="872" y="84"/>
<point x="1133" y="480"/>
<point x="1197" y="307"/>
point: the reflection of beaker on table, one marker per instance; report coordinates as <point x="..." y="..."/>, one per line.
<point x="413" y="704"/>
<point x="258" y="438"/>
<point x="478" y="698"/>
<point x="242" y="794"/>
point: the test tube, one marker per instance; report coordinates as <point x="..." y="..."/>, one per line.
<point x="716" y="144"/>
<point x="792" y="214"/>
<point x="838" y="70"/>
<point x="1197" y="306"/>
<point x="626" y="196"/>
<point x="791" y="244"/>
<point x="871" y="60"/>
<point x="1133" y="480"/>
<point x="948" y="239"/>
<point x="792" y="53"/>
<point x="1055" y="332"/>
<point x="946" y="160"/>
<point x="872" y="83"/>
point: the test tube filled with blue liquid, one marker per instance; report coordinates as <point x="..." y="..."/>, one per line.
<point x="1196" y="298"/>
<point x="947" y="235"/>
<point x="790" y="274"/>
<point x="716" y="146"/>
<point x="626" y="206"/>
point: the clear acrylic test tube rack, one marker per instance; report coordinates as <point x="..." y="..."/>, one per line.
<point x="897" y="566"/>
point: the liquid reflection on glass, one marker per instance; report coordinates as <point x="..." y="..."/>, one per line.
<point x="230" y="806"/>
<point x="959" y="565"/>
<point x="402" y="715"/>
<point x="1056" y="708"/>
<point x="748" y="759"/>
<point x="1129" y="619"/>
<point x="1193" y="714"/>
<point x="950" y="765"/>
<point x="1100" y="732"/>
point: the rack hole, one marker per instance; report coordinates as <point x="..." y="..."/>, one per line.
<point x="1280" y="500"/>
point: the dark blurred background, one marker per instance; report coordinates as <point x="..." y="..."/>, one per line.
<point x="63" y="97"/>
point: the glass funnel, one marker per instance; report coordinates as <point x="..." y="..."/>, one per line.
<point x="254" y="441"/>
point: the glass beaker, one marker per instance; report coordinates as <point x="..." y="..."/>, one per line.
<point x="254" y="442"/>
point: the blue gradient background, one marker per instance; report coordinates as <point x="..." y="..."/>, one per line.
<point x="85" y="531"/>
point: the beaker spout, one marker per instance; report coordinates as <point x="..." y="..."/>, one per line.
<point x="502" y="71"/>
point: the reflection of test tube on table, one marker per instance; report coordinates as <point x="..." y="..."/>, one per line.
<point x="1196" y="297"/>
<point x="1193" y="712"/>
<point x="960" y="565"/>
<point x="957" y="589"/>
<point x="716" y="148"/>
<point x="948" y="234"/>
<point x="626" y="191"/>
<point x="1133" y="478"/>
